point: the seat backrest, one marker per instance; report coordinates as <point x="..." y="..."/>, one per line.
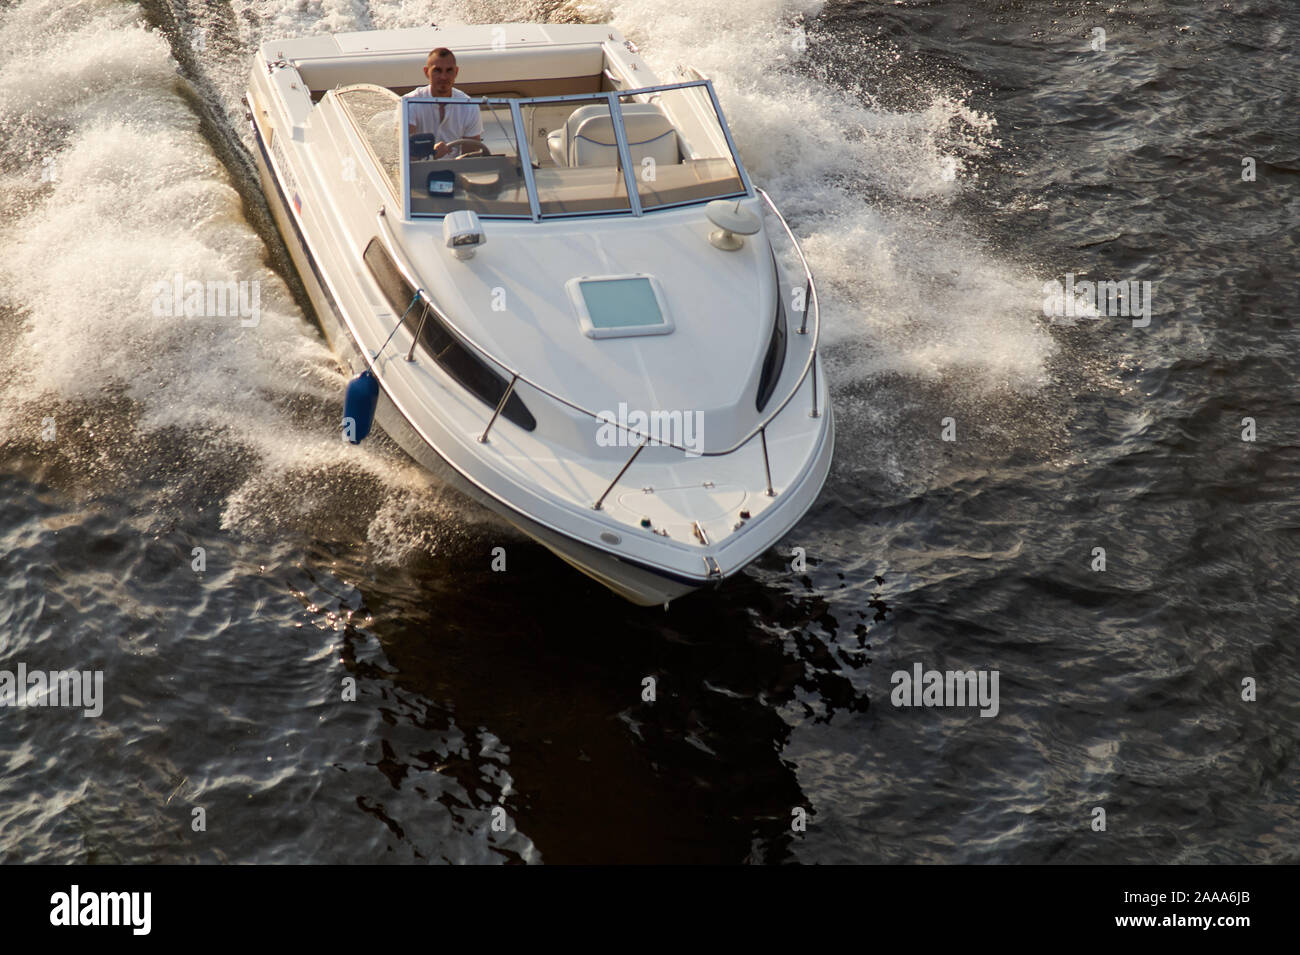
<point x="591" y="141"/>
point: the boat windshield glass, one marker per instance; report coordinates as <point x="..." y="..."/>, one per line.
<point x="678" y="150"/>
<point x="571" y="160"/>
<point x="446" y="173"/>
<point x="579" y="170"/>
<point x="374" y="111"/>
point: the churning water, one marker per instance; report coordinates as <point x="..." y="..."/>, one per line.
<point x="941" y="162"/>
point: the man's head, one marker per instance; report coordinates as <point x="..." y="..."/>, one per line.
<point x="441" y="70"/>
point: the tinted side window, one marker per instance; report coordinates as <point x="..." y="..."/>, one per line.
<point x="468" y="370"/>
<point x="774" y="360"/>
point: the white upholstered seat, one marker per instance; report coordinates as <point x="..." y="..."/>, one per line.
<point x="587" y="137"/>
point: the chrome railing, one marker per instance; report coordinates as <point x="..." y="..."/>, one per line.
<point x="810" y="363"/>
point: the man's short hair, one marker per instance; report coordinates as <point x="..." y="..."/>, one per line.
<point x="437" y="54"/>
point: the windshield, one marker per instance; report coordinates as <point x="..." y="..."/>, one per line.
<point x="580" y="171"/>
<point x="466" y="158"/>
<point x="461" y="153"/>
<point x="375" y="111"/>
<point x="679" y="153"/>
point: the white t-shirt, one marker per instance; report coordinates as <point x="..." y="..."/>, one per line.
<point x="458" y="122"/>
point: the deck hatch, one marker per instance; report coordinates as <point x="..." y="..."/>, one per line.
<point x="619" y="306"/>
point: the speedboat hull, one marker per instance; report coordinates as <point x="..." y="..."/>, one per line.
<point x="622" y="557"/>
<point x="643" y="586"/>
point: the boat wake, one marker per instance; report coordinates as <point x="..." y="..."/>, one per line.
<point x="120" y="169"/>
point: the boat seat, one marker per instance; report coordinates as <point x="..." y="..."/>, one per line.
<point x="587" y="137"/>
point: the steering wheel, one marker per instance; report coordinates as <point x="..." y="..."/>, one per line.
<point x="476" y="147"/>
<point x="423" y="145"/>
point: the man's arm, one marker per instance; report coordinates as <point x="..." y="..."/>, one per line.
<point x="441" y="148"/>
<point x="474" y="129"/>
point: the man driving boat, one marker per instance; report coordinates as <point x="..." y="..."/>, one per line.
<point x="448" y="121"/>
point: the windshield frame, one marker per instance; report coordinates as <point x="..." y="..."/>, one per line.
<point x="613" y="98"/>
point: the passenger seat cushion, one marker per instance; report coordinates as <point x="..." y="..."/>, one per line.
<point x="555" y="142"/>
<point x="591" y="139"/>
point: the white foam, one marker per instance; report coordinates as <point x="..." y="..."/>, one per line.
<point x="905" y="286"/>
<point x="137" y="197"/>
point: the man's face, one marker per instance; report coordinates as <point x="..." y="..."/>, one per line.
<point x="442" y="75"/>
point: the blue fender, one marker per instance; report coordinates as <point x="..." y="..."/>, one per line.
<point x="359" y="406"/>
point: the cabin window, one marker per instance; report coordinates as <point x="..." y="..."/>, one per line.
<point x="774" y="360"/>
<point x="466" y="368"/>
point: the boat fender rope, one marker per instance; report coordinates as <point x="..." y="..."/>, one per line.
<point x="415" y="299"/>
<point x="362" y="396"/>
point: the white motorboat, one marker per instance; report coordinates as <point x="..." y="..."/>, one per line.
<point x="588" y="319"/>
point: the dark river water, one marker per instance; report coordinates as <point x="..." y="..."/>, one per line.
<point x="1112" y="530"/>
